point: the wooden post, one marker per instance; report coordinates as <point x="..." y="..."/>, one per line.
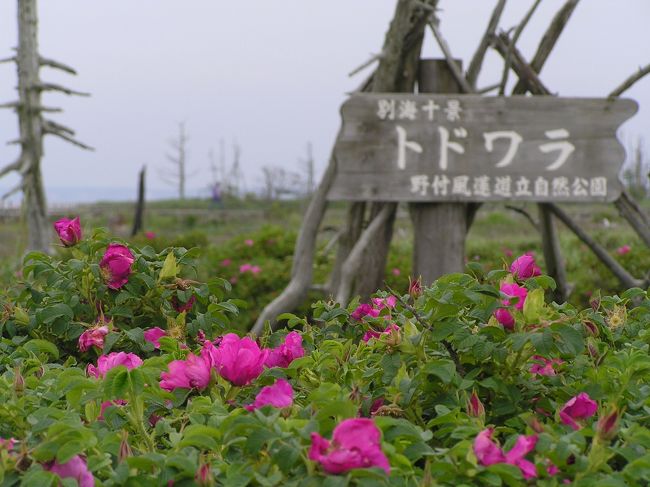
<point x="552" y="253"/>
<point x="439" y="229"/>
<point x="138" y="221"/>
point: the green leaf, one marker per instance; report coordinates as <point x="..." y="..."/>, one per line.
<point x="37" y="346"/>
<point x="51" y="313"/>
<point x="533" y="306"/>
<point x="445" y="370"/>
<point x="170" y="268"/>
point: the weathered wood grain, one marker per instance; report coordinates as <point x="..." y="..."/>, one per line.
<point x="368" y="146"/>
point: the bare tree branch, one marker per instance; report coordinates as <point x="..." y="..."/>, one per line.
<point x="627" y="84"/>
<point x="487" y="89"/>
<point x="354" y="260"/>
<point x="548" y="41"/>
<point x="520" y="66"/>
<point x="455" y="69"/>
<point x="62" y="89"/>
<point x="17" y="141"/>
<point x="52" y="126"/>
<point x="14" y="166"/>
<point x="19" y="187"/>
<point x="67" y="138"/>
<point x="477" y="60"/>
<point x="11" y="104"/>
<point x="56" y="65"/>
<point x="513" y="44"/>
<point x="525" y="214"/>
<point x="11" y="59"/>
<point x="373" y="58"/>
<point x="626" y="279"/>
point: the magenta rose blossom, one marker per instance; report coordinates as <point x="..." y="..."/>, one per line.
<point x="279" y="395"/>
<point x="287" y="352"/>
<point x="364" y="310"/>
<point x="181" y="307"/>
<point x="514" y="291"/>
<point x="113" y="359"/>
<point x="153" y="335"/>
<point x="524" y="267"/>
<point x="380" y="303"/>
<point x="106" y="404"/>
<point x="193" y="372"/>
<point x="75" y="468"/>
<point x="372" y="334"/>
<point x="94" y="337"/>
<point x="577" y="408"/>
<point x="356" y="443"/>
<point x="624" y="249"/>
<point x="488" y="453"/>
<point x="505" y="317"/>
<point x="544" y="366"/>
<point x="116" y="265"/>
<point x="238" y="360"/>
<point x="69" y="231"/>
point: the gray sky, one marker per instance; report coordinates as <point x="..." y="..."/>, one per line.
<point x="270" y="74"/>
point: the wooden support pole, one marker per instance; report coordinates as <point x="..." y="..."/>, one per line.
<point x="552" y="253"/>
<point x="626" y="279"/>
<point x="138" y="221"/>
<point x="439" y="228"/>
<point x="638" y="220"/>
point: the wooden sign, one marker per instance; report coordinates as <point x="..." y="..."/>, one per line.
<point x="404" y="147"/>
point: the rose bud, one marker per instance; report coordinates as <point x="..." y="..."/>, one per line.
<point x="69" y="231"/>
<point x="204" y="476"/>
<point x="19" y="382"/>
<point x="591" y="328"/>
<point x="125" y="450"/>
<point x="607" y="425"/>
<point x="116" y="265"/>
<point x="415" y="287"/>
<point x="475" y="406"/>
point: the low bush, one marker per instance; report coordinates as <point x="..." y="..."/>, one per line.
<point x="118" y="368"/>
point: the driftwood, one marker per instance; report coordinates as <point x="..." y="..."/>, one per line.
<point x="515" y="38"/>
<point x="632" y="212"/>
<point x="476" y="63"/>
<point x="626" y="279"/>
<point x="627" y="84"/>
<point x="548" y="42"/>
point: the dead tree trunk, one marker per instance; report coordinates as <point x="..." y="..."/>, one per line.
<point x="33" y="127"/>
<point x="138" y="221"/>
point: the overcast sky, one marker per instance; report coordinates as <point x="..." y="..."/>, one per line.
<point x="269" y="74"/>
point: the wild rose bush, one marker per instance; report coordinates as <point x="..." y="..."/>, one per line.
<point x="426" y="388"/>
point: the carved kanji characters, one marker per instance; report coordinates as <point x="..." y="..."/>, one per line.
<point x="560" y="187"/>
<point x="420" y="184"/>
<point x="502" y="186"/>
<point x="598" y="186"/>
<point x="430" y="107"/>
<point x="541" y="186"/>
<point x="407" y="110"/>
<point x="460" y="186"/>
<point x="386" y="109"/>
<point x="522" y="187"/>
<point x="481" y="186"/>
<point x="580" y="187"/>
<point x="453" y="110"/>
<point x="440" y="184"/>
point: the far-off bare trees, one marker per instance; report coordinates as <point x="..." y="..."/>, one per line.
<point x="33" y="125"/>
<point x="176" y="175"/>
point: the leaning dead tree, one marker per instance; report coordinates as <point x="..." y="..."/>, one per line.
<point x="364" y="239"/>
<point x="33" y="125"/>
<point x="177" y="175"/>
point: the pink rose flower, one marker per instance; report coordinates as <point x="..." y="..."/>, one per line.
<point x="279" y="395"/>
<point x="504" y="317"/>
<point x="116" y="265"/>
<point x="153" y="335"/>
<point x="488" y="453"/>
<point x="623" y="250"/>
<point x="577" y="408"/>
<point x="94" y="337"/>
<point x="544" y="366"/>
<point x="287" y="352"/>
<point x="149" y="235"/>
<point x="396" y="271"/>
<point x="106" y="404"/>
<point x="238" y="360"/>
<point x="69" y="231"/>
<point x="113" y="359"/>
<point x="255" y="270"/>
<point x="514" y="291"/>
<point x="75" y="468"/>
<point x="193" y="372"/>
<point x="245" y="268"/>
<point x="364" y="310"/>
<point x="356" y="443"/>
<point x="524" y="267"/>
<point x="381" y="303"/>
<point x="248" y="242"/>
<point x="226" y="262"/>
<point x="372" y="334"/>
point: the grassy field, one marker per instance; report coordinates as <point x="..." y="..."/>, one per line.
<point x="221" y="231"/>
